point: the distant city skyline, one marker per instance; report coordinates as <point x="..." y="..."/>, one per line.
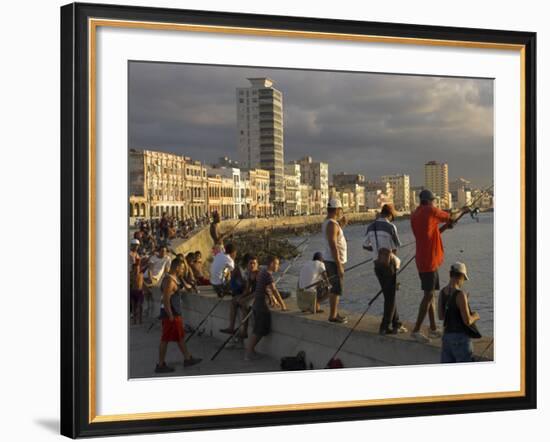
<point x="372" y="124"/>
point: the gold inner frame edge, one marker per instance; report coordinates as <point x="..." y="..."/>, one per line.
<point x="93" y="24"/>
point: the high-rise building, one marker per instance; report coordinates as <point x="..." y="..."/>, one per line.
<point x="315" y="173"/>
<point x="401" y="186"/>
<point x="436" y="178"/>
<point x="260" y="126"/>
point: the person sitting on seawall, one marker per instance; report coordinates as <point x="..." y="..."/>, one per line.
<point x="187" y="281"/>
<point x="220" y="272"/>
<point x="313" y="285"/>
<point x="459" y="320"/>
<point x="196" y="266"/>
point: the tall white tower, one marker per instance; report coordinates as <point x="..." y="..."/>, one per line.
<point x="260" y="132"/>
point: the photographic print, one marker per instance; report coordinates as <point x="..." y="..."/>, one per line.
<point x="288" y="219"/>
<point x="262" y="207"/>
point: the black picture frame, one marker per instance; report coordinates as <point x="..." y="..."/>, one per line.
<point x="75" y="220"/>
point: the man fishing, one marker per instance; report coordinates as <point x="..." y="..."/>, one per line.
<point x="220" y="271"/>
<point x="215" y="233"/>
<point x="265" y="289"/>
<point x="425" y="223"/>
<point x="336" y="255"/>
<point x="383" y="241"/>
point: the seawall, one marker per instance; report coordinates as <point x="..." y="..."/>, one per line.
<point x="202" y="241"/>
<point x="294" y="331"/>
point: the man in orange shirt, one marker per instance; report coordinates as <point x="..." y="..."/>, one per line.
<point x="425" y="221"/>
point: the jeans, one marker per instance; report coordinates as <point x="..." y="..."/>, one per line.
<point x="456" y="347"/>
<point x="387" y="278"/>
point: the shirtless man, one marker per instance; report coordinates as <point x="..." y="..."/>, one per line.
<point x="216" y="234"/>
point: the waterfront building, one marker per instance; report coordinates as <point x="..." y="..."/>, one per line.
<point x="354" y="194"/>
<point x="233" y="174"/>
<point x="315" y="173"/>
<point x="436" y="178"/>
<point x="401" y="187"/>
<point x="214" y="181"/>
<point x="305" y="199"/>
<point x="459" y="183"/>
<point x="375" y="199"/>
<point x="227" y="199"/>
<point x="464" y="197"/>
<point x="343" y="179"/>
<point x="259" y="192"/>
<point x="196" y="185"/>
<point x="156" y="184"/>
<point x="260" y="133"/>
<point x="246" y="193"/>
<point x="413" y="200"/>
<point x="293" y="196"/>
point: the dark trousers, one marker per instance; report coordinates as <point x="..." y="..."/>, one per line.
<point x="387" y="277"/>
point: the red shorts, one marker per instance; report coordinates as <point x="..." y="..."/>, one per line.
<point x="172" y="330"/>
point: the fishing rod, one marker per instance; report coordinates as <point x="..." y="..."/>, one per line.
<point x="487" y="348"/>
<point x="442" y="229"/>
<point x="294" y="259"/>
<point x="247" y="316"/>
<point x="366" y="261"/>
<point x="365" y="312"/>
<point x="232" y="229"/>
<point x="223" y="296"/>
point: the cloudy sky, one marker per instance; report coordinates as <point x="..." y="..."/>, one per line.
<point x="373" y="124"/>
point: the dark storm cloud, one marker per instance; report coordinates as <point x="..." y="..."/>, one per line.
<point x="368" y="123"/>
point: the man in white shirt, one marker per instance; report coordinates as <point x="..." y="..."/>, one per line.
<point x="383" y="241"/>
<point x="336" y="255"/>
<point x="313" y="285"/>
<point x="220" y="271"/>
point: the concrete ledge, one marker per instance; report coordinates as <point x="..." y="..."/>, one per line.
<point x="294" y="331"/>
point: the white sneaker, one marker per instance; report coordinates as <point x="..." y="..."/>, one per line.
<point x="402" y="329"/>
<point x="419" y="337"/>
<point x="434" y="334"/>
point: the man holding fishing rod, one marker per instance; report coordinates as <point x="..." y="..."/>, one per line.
<point x="265" y="290"/>
<point x="336" y="255"/>
<point x="383" y="241"/>
<point x="425" y="223"/>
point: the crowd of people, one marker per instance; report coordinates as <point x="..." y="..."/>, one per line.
<point x="167" y="228"/>
<point x="254" y="294"/>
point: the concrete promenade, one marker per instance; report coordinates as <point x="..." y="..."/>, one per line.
<point x="292" y="332"/>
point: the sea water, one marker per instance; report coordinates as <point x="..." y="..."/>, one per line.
<point x="471" y="241"/>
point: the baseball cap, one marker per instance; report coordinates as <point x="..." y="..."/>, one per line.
<point x="134" y="242"/>
<point x="334" y="203"/>
<point x="460" y="267"/>
<point x="426" y="195"/>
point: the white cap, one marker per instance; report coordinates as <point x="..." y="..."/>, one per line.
<point x="134" y="242"/>
<point x="334" y="203"/>
<point x="460" y="267"/>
